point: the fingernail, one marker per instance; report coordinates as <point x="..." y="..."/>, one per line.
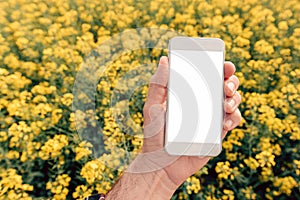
<point x="231" y="103"/>
<point x="228" y="123"/>
<point x="231" y="86"/>
<point x="163" y="60"/>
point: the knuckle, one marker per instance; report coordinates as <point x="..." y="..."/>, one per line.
<point x="229" y="109"/>
<point x="238" y="114"/>
<point x="153" y="79"/>
<point x="236" y="80"/>
<point x="238" y="97"/>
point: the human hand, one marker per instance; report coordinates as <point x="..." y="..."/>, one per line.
<point x="154" y="118"/>
<point x="156" y="173"/>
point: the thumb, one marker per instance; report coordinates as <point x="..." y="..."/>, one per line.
<point x="154" y="108"/>
<point x="157" y="88"/>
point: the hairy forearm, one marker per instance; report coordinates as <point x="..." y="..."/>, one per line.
<point x="146" y="186"/>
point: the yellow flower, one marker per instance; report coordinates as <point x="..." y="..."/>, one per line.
<point x="297" y="163"/>
<point x="266" y="174"/>
<point x="83" y="150"/>
<point x="283" y="25"/>
<point x="252" y="163"/>
<point x="59" y="186"/>
<point x="22" y="43"/>
<point x="43" y="88"/>
<point x="56" y="116"/>
<point x="12" y="154"/>
<point x="193" y="185"/>
<point x="18" y="132"/>
<point x="265" y="158"/>
<point x="3" y="136"/>
<point x="224" y="171"/>
<point x="53" y="147"/>
<point x="12" y="61"/>
<point x="81" y="192"/>
<point x="285" y="185"/>
<point x="249" y="193"/>
<point x="103" y="187"/>
<point x="263" y="47"/>
<point x="92" y="171"/>
<point x="241" y="42"/>
<point x="228" y="195"/>
<point x="12" y="186"/>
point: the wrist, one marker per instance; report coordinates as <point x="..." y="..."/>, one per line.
<point x="163" y="187"/>
<point x="147" y="185"/>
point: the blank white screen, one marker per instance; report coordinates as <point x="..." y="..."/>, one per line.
<point x="188" y="66"/>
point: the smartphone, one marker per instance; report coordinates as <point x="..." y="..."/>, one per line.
<point x="194" y="116"/>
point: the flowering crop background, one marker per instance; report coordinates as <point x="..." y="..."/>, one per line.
<point x="44" y="43"/>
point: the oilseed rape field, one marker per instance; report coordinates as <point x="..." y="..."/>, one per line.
<point x="68" y="130"/>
